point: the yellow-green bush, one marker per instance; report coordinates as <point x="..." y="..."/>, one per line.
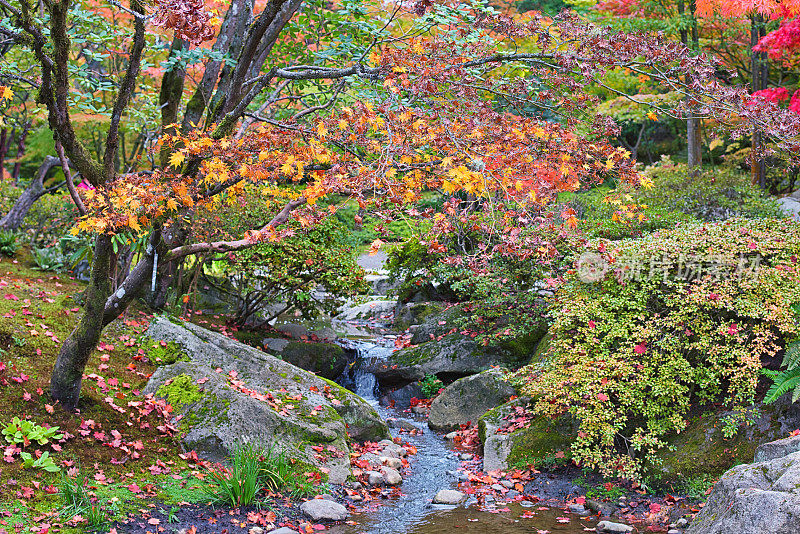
<point x="632" y="356"/>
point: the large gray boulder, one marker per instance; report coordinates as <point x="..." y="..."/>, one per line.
<point x="777" y="449"/>
<point x="441" y="349"/>
<point x="469" y="398"/>
<point x="540" y="439"/>
<point x="229" y="393"/>
<point x="758" y="498"/>
<point x="325" y="359"/>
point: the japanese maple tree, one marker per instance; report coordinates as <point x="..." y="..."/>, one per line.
<point x="433" y="96"/>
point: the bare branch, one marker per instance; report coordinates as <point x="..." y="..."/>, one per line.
<point x="227" y="246"/>
<point x="76" y="199"/>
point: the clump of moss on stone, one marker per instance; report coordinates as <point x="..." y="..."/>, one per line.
<point x="180" y="391"/>
<point x="166" y="354"/>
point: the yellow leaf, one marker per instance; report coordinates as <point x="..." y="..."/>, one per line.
<point x="715" y="143"/>
<point x="322" y="131"/>
<point x="652" y="116"/>
<point x="8" y="94"/>
<point x="171" y="204"/>
<point x="176" y="159"/>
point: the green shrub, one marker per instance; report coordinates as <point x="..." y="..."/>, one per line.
<point x="711" y="194"/>
<point x="430" y="386"/>
<point x="631" y="356"/>
<point x="8" y="243"/>
<point x="503" y="288"/>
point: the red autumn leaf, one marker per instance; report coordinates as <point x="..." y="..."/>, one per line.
<point x="641" y="348"/>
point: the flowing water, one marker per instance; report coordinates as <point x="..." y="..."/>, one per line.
<point x="436" y="467"/>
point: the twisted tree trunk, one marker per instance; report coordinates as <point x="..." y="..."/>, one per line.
<point x="65" y="383"/>
<point x="35" y="190"/>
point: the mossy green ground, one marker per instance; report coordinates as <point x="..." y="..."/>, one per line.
<point x="37" y="312"/>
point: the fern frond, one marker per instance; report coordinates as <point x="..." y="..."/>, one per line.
<point x="791" y="357"/>
<point x="783" y="382"/>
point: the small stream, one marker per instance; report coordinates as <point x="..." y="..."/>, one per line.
<point x="435" y="467"/>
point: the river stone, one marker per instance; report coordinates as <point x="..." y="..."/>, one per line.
<point x="400" y="398"/>
<point x="243" y="395"/>
<point x="578" y="509"/>
<point x="394" y="463"/>
<point x="467" y="399"/>
<point x="375" y="478"/>
<point x="391" y="476"/>
<point x="613" y="528"/>
<point x="324" y="510"/>
<point x="283" y="530"/>
<point x="603" y="508"/>
<point x="758" y="498"/>
<point x="325" y="359"/>
<point x="448" y="496"/>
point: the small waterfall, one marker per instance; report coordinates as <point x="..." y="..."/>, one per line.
<point x="366" y="385"/>
<point x="356" y="378"/>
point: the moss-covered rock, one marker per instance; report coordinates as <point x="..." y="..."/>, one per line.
<point x="259" y="399"/>
<point x="467" y="399"/>
<point x="453" y="356"/>
<point x="541" y="440"/>
<point x="180" y="391"/>
<point x="415" y="313"/>
<point x="702" y="450"/>
<point x="325" y="359"/>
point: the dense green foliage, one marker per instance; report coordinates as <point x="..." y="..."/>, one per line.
<point x="290" y="272"/>
<point x="680" y="319"/>
<point x="676" y="196"/>
<point x="710" y="194"/>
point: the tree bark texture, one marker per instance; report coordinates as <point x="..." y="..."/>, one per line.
<point x="65" y="383"/>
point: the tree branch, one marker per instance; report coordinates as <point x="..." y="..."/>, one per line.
<point x="227" y="246"/>
<point x="125" y="91"/>
<point x="76" y="199"/>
